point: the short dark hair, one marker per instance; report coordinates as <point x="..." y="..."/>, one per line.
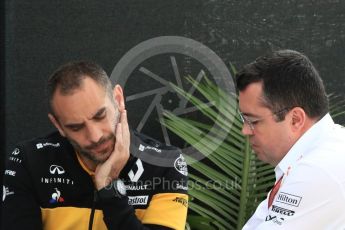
<point x="70" y="76"/>
<point x="289" y="79"/>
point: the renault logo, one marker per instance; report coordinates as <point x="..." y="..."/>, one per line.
<point x="56" y="169"/>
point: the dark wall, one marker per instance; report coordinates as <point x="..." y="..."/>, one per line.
<point x="41" y="35"/>
<point x="2" y="90"/>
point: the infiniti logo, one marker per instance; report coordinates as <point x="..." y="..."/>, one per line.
<point x="56" y="169"/>
<point x="15" y="151"/>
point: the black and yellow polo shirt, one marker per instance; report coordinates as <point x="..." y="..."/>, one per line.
<point x="46" y="186"/>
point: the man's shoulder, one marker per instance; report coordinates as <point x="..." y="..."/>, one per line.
<point x="326" y="159"/>
<point x="34" y="153"/>
<point x="161" y="165"/>
<point x="48" y="142"/>
<point x="144" y="143"/>
<point x="153" y="151"/>
<point x="151" y="141"/>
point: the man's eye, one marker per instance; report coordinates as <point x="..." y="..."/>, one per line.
<point x="254" y="122"/>
<point x="75" y="129"/>
<point x="100" y="116"/>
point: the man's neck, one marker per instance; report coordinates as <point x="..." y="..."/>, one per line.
<point x="87" y="163"/>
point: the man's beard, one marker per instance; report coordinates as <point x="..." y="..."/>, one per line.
<point x="87" y="151"/>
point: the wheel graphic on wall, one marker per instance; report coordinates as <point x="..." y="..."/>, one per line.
<point x="145" y="71"/>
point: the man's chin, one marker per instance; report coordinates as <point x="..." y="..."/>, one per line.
<point x="258" y="153"/>
<point x="96" y="157"/>
<point x="102" y="157"/>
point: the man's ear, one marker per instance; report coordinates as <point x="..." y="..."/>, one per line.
<point x="56" y="124"/>
<point x="298" y="119"/>
<point x="118" y="97"/>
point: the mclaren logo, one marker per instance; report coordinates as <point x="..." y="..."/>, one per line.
<point x="56" y="169"/>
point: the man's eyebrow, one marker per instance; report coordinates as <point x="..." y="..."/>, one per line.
<point x="249" y="115"/>
<point x="99" y="113"/>
<point x="74" y="125"/>
<point x="79" y="125"/>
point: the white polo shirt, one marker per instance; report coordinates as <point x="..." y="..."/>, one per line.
<point x="312" y="192"/>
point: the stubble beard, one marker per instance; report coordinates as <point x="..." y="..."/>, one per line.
<point x="97" y="158"/>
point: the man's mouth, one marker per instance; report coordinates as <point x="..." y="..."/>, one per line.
<point x="100" y="147"/>
<point x="254" y="146"/>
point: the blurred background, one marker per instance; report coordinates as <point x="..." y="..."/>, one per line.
<point x="38" y="36"/>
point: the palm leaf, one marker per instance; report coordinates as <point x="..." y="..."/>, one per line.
<point x="227" y="186"/>
<point x="336" y="105"/>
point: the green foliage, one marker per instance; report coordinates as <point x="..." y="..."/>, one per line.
<point x="336" y="106"/>
<point x="227" y="186"/>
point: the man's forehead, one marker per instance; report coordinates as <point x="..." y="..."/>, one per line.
<point x="251" y="99"/>
<point x="69" y="87"/>
<point x="81" y="104"/>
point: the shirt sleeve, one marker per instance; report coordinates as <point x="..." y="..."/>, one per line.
<point x="20" y="209"/>
<point x="119" y="215"/>
<point x="309" y="198"/>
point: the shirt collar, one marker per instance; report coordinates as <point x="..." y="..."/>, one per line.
<point x="91" y="173"/>
<point x="306" y="142"/>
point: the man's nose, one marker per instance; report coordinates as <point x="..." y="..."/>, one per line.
<point x="95" y="133"/>
<point x="246" y="130"/>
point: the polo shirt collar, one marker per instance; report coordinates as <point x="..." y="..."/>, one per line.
<point x="303" y="145"/>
